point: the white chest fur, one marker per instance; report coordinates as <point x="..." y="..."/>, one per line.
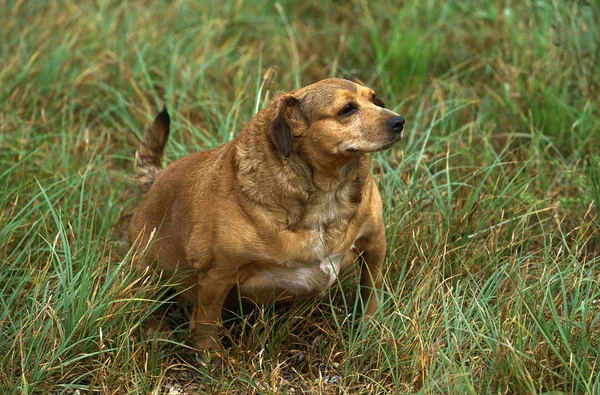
<point x="297" y="279"/>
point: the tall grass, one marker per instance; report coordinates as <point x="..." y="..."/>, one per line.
<point x="491" y="201"/>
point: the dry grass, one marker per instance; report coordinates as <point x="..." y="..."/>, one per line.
<point x="491" y="201"/>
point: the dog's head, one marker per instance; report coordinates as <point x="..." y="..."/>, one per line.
<point x="333" y="118"/>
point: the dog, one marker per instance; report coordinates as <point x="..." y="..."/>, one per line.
<point x="277" y="213"/>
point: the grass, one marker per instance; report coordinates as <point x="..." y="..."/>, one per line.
<point x="491" y="201"/>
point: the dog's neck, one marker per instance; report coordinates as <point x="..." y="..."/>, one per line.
<point x="306" y="196"/>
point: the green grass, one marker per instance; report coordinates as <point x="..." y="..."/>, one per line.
<point x="491" y="200"/>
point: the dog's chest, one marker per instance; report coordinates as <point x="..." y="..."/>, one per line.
<point x="310" y="271"/>
<point x="314" y="266"/>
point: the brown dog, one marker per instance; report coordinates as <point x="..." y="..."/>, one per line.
<point x="278" y="212"/>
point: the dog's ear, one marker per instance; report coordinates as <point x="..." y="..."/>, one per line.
<point x="376" y="100"/>
<point x="355" y="80"/>
<point x="281" y="130"/>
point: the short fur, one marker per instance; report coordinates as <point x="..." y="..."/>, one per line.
<point x="148" y="158"/>
<point x="278" y="212"/>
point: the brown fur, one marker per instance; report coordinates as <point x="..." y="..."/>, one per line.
<point x="148" y="158"/>
<point x="279" y="211"/>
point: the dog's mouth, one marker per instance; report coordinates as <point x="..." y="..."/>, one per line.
<point x="389" y="145"/>
<point x="352" y="148"/>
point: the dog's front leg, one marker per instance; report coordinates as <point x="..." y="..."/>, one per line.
<point x="373" y="250"/>
<point x="212" y="290"/>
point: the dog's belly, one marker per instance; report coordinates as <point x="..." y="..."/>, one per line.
<point x="293" y="280"/>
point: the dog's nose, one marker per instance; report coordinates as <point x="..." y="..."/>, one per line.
<point x="395" y="123"/>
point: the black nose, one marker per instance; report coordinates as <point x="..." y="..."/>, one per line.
<point x="395" y="123"/>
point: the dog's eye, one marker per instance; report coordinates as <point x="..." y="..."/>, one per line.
<point x="348" y="109"/>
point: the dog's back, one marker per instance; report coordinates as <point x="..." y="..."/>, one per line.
<point x="156" y="225"/>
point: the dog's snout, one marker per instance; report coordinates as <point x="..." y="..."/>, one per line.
<point x="395" y="123"/>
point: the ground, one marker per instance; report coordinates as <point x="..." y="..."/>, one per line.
<point x="491" y="200"/>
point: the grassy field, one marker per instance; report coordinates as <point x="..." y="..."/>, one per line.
<point x="491" y="200"/>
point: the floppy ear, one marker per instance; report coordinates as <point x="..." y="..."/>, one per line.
<point x="280" y="131"/>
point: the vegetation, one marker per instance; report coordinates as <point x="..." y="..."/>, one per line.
<point x="491" y="200"/>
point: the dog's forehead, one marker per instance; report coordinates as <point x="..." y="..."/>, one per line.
<point x="329" y="86"/>
<point x="328" y="92"/>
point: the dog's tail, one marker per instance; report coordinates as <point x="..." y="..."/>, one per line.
<point x="148" y="158"/>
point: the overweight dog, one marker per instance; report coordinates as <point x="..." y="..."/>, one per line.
<point x="275" y="214"/>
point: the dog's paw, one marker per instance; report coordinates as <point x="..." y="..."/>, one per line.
<point x="208" y="343"/>
<point x="155" y="328"/>
<point x="211" y="360"/>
